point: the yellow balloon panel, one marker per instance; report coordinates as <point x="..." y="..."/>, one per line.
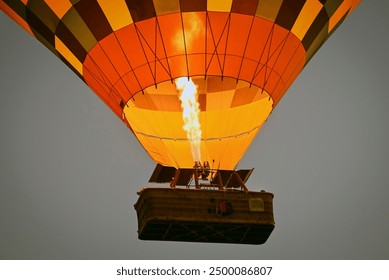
<point x="227" y="128"/>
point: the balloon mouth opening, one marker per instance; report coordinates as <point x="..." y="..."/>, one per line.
<point x="229" y="114"/>
<point x="213" y="93"/>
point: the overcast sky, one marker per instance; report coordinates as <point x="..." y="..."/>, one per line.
<point x="70" y="169"/>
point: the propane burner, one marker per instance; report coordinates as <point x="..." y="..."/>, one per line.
<point x="202" y="171"/>
<point x="201" y="176"/>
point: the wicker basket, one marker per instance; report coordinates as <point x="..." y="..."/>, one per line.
<point x="205" y="215"/>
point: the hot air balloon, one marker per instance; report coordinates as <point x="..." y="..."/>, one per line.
<point x="194" y="81"/>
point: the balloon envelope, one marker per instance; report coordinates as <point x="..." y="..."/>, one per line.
<point x="242" y="54"/>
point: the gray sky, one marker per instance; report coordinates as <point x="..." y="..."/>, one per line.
<point x="69" y="168"/>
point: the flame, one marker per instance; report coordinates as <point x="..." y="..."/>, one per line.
<point x="190" y="114"/>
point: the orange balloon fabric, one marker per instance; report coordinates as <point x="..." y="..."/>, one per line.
<point x="243" y="55"/>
